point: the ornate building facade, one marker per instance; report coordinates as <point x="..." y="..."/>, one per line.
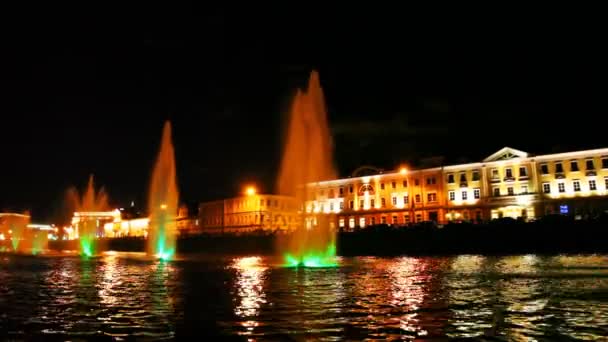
<point x="509" y="183"/>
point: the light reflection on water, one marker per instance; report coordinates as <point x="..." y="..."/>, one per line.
<point x="516" y="298"/>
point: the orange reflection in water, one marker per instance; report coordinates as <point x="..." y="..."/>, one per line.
<point x="392" y="294"/>
<point x="249" y="284"/>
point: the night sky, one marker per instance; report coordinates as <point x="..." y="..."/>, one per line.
<point x="82" y="95"/>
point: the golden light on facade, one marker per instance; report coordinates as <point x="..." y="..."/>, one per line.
<point x="163" y="206"/>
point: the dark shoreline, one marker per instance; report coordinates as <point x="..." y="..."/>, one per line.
<point x="506" y="237"/>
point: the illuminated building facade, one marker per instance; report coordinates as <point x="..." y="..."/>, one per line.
<point x="509" y="183"/>
<point x="248" y="213"/>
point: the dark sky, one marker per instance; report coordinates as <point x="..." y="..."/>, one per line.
<point x="84" y="94"/>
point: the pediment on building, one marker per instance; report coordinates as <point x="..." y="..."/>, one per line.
<point x="506" y="153"/>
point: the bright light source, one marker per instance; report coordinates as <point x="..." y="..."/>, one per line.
<point x="163" y="206"/>
<point x="250" y="191"/>
<point x="403" y="171"/>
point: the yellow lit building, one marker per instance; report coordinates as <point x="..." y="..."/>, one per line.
<point x="398" y="198"/>
<point x="509" y="183"/>
<point x="248" y="213"/>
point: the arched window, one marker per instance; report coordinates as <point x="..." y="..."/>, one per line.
<point x="364" y="188"/>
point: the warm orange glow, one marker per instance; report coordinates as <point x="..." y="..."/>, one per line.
<point x="163" y="206"/>
<point x="250" y="191"/>
<point x="403" y="171"/>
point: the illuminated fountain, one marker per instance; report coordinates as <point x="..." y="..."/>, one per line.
<point x="308" y="158"/>
<point x="13" y="228"/>
<point x="162" y="201"/>
<point x="85" y="208"/>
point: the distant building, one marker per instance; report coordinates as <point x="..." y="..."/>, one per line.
<point x="248" y="213"/>
<point x="509" y="183"/>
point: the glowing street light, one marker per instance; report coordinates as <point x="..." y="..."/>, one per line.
<point x="163" y="206"/>
<point x="403" y="171"/>
<point x="250" y="191"/>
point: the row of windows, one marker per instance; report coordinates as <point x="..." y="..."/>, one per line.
<point x="523" y="189"/>
<point x="393" y="184"/>
<point x="463" y="177"/>
<point x="464" y="195"/>
<point x="370" y="221"/>
<point x="523" y="172"/>
<point x="576" y="186"/>
<point x="430" y="197"/>
<point x="574" y="166"/>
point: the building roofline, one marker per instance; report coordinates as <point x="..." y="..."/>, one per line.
<point x="573" y="154"/>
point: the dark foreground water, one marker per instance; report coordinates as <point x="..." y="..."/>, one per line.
<point x="125" y="296"/>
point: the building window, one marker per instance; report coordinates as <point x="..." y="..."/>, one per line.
<point x="495" y="174"/>
<point x="496" y="192"/>
<point x="394" y="200"/>
<point x="406" y="200"/>
<point x="431" y="197"/>
<point x="262" y="202"/>
<point x="510" y="191"/>
<point x="331" y="206"/>
<point x="452" y="195"/>
<point x="464" y="195"/>
<point x="383" y="202"/>
<point x="606" y="182"/>
<point x="559" y="168"/>
<point x="341" y="223"/>
<point x="406" y="219"/>
<point x="524" y="189"/>
<point x="350" y="189"/>
<point x="592" y="185"/>
<point x="604" y="163"/>
<point x="394" y="219"/>
<point x="418" y="217"/>
<point x="450" y="178"/>
<point x="476" y="193"/>
<point x="321" y="192"/>
<point x="373" y="221"/>
<point x="463" y="177"/>
<point x="417" y="197"/>
<point x="381" y="186"/>
<point x="394" y="185"/>
<point x="590" y="165"/>
<point x="523" y="171"/>
<point x="405" y="183"/>
<point x="544" y="169"/>
<point x="475" y="175"/>
<point x="383" y="220"/>
<point x="341" y="191"/>
<point x="351" y="205"/>
<point x="573" y="165"/>
<point x="361" y="204"/>
<point x="416" y="182"/>
<point x="341" y="205"/>
<point x="547" y="188"/>
<point x="373" y="203"/>
<point x="331" y="193"/>
<point x="508" y="173"/>
<point x="561" y="187"/>
<point x="576" y="184"/>
<point x="431" y="180"/>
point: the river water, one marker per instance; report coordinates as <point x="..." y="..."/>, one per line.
<point x="124" y="296"/>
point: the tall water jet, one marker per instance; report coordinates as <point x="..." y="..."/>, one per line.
<point x="90" y="201"/>
<point x="308" y="158"/>
<point x="15" y="225"/>
<point x="162" y="201"/>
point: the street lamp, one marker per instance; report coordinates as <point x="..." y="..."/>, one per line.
<point x="250" y="191"/>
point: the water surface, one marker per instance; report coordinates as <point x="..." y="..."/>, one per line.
<point x="127" y="296"/>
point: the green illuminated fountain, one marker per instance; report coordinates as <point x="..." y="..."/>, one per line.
<point x="87" y="228"/>
<point x="308" y="158"/>
<point x="163" y="200"/>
